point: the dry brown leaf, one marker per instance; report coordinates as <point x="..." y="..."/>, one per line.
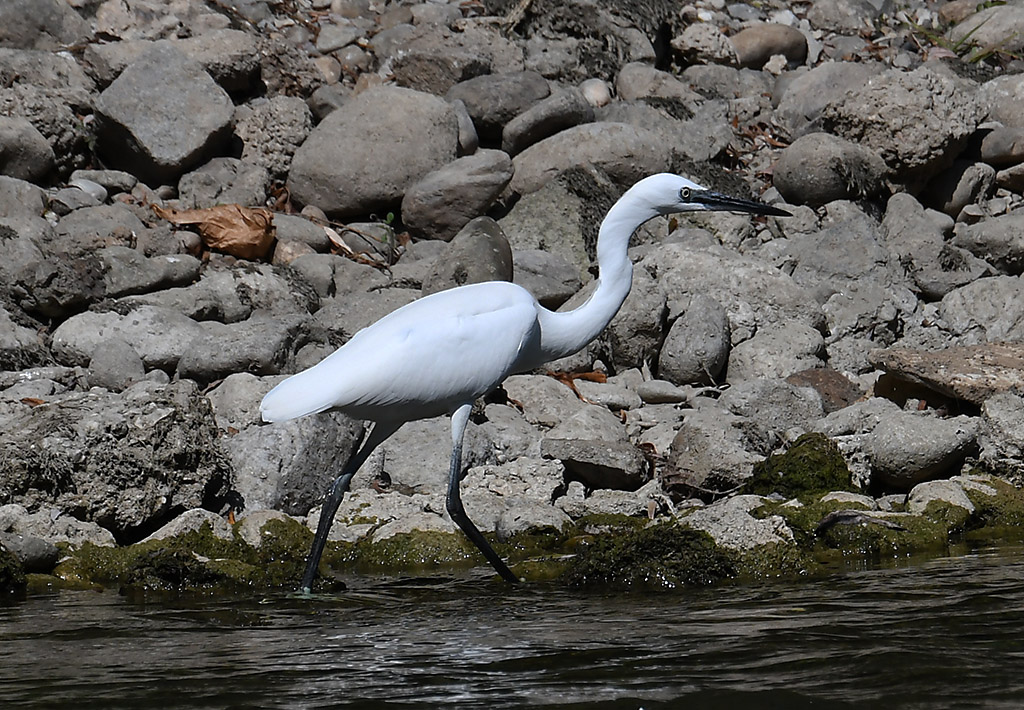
<point x="245" y="232"/>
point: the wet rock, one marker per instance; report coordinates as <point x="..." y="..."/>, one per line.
<point x="126" y="461"/>
<point x="35" y="554"/>
<point x="288" y="466"/>
<point x="24" y="152"/>
<point x="759" y="42"/>
<point x="819" y="168"/>
<point x="731" y="525"/>
<point x="252" y="528"/>
<point x="946" y="115"/>
<point x="493" y="100"/>
<point x="444" y="201"/>
<point x="908" y="448"/>
<point x="778" y="351"/>
<point x="193" y="520"/>
<point x="52" y="525"/>
<point x="400" y="134"/>
<point x="947" y="492"/>
<point x="479" y="252"/>
<point x="162" y="116"/>
<point x="623" y="152"/>
<point x="696" y="347"/>
<point x="971" y="373"/>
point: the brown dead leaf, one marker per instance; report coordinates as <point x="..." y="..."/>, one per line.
<point x="245" y="232"/>
<point x="32" y="401"/>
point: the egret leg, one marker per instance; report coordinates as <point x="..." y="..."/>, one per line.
<point x="335" y="493"/>
<point x="454" y="501"/>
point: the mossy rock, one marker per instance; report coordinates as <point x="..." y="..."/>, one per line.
<point x="12" y="573"/>
<point x="664" y="555"/>
<point x="811" y="466"/>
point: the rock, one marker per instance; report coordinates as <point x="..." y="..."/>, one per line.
<point x="230" y="57"/>
<point x="696" y="347"/>
<point x="550" y="278"/>
<point x="495" y="99"/>
<point x="544" y="400"/>
<point x="259" y="345"/>
<point x="730" y="523"/>
<point x="598" y="463"/>
<point x="908" y="448"/>
<point x="562" y="109"/>
<point x="942" y="491"/>
<point x="638" y="80"/>
<point x="288" y="466"/>
<point x="998" y="240"/>
<point x="965" y="183"/>
<point x="194" y="520"/>
<point x="987" y="310"/>
<point x="1004" y="98"/>
<point x="709" y="454"/>
<point x="577" y="503"/>
<point x="607" y="394"/>
<point x="224" y="181"/>
<point x="635" y="333"/>
<point x="759" y="42"/>
<point x="24" y="153"/>
<point x="626" y="154"/>
<point x="236" y="400"/>
<point x="842" y="16"/>
<point x="115" y="365"/>
<point x="36" y="555"/>
<point x="128" y="271"/>
<point x="418" y="455"/>
<point x="479" y="252"/>
<point x="661" y="392"/>
<point x="596" y="92"/>
<point x="51" y="525"/>
<point x="20" y="347"/>
<point x="773" y="405"/>
<point x="992" y="27"/>
<point x="805" y="95"/>
<point x="971" y="373"/>
<point x="444" y="201"/>
<point x="127" y="462"/>
<point x="47" y="25"/>
<point x="777" y="351"/>
<point x="834" y="388"/>
<point x="702" y="42"/>
<point x="819" y="168"/>
<point x="162" y="116"/>
<point x="946" y="115"/>
<point x="397" y="135"/>
<point x="252" y="528"/>
<point x="1002" y="434"/>
<point x="272" y="131"/>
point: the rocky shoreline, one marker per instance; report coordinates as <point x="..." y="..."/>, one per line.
<point x="200" y="198"/>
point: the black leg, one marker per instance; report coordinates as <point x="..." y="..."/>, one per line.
<point x="453" y="502"/>
<point x="336" y="492"/>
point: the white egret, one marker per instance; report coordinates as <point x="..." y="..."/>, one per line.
<point x="439" y="354"/>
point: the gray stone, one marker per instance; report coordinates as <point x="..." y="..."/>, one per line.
<point x="115" y="365"/>
<point x="419" y="454"/>
<point x="343" y="316"/>
<point x="479" y="252"/>
<point x="35" y="554"/>
<point x="777" y="351"/>
<point x="24" y="152"/>
<point x="366" y="154"/>
<point x="162" y="116"/>
<point x="223" y="181"/>
<point x="41" y="24"/>
<point x="194" y="520"/>
<point x="805" y="95"/>
<point x="128" y="271"/>
<point x="495" y="99"/>
<point x="544" y="400"/>
<point x="998" y="240"/>
<point x="272" y="131"/>
<point x="710" y="453"/>
<point x="987" y="310"/>
<point x="1002" y="434"/>
<point x="551" y="279"/>
<point x="231" y="57"/>
<point x="1004" y="98"/>
<point x="20" y="199"/>
<point x="819" y="168"/>
<point x="52" y="525"/>
<point x="124" y="461"/>
<point x="259" y="345"/>
<point x="731" y="525"/>
<point x="252" y="528"/>
<point x="626" y="154"/>
<point x="444" y="201"/>
<point x="607" y="394"/>
<point x="908" y="448"/>
<point x="599" y="463"/>
<point x="774" y="406"/>
<point x="563" y="109"/>
<point x="288" y="466"/>
<point x="843" y="16"/>
<point x="696" y="347"/>
<point x="638" y="80"/>
<point x="703" y="43"/>
<point x="947" y="492"/>
<point x="992" y="27"/>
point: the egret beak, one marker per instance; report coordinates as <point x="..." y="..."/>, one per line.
<point x="717" y="202"/>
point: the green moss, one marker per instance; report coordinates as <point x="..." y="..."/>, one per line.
<point x="664" y="555"/>
<point x="417" y="551"/>
<point x="1000" y="516"/>
<point x="12" y="574"/>
<point x="776" y="560"/>
<point x="811" y="466"/>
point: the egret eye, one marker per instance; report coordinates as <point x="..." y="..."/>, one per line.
<point x="684" y="194"/>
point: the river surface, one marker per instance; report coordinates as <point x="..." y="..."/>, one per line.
<point x="948" y="633"/>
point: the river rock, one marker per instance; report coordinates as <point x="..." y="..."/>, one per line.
<point x="44" y="25"/>
<point x="773" y="405"/>
<point x="998" y="27"/>
<point x="495" y="99"/>
<point x="842" y="16"/>
<point x="115" y="365"/>
<point x="194" y="520"/>
<point x="259" y="345"/>
<point x="1002" y="434"/>
<point x="162" y="116"/>
<point x="562" y="109"/>
<point x="819" y="168"/>
<point x="759" y="42"/>
<point x="444" y="201"/>
<point x="478" y="253"/>
<point x="805" y="95"/>
<point x="731" y="524"/>
<point x="51" y="525"/>
<point x="998" y="240"/>
<point x="948" y="492"/>
<point x="696" y="347"/>
<point x="271" y="132"/>
<point x="907" y="448"/>
<point x="24" y="152"/>
<point x="365" y="155"/>
<point x="551" y="279"/>
<point x="986" y="310"/>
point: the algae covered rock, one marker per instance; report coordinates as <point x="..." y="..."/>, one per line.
<point x="813" y="464"/>
<point x="12" y="575"/>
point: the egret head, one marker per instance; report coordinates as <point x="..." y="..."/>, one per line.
<point x="669" y="194"/>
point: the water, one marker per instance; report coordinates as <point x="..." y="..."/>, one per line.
<point x="945" y="634"/>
